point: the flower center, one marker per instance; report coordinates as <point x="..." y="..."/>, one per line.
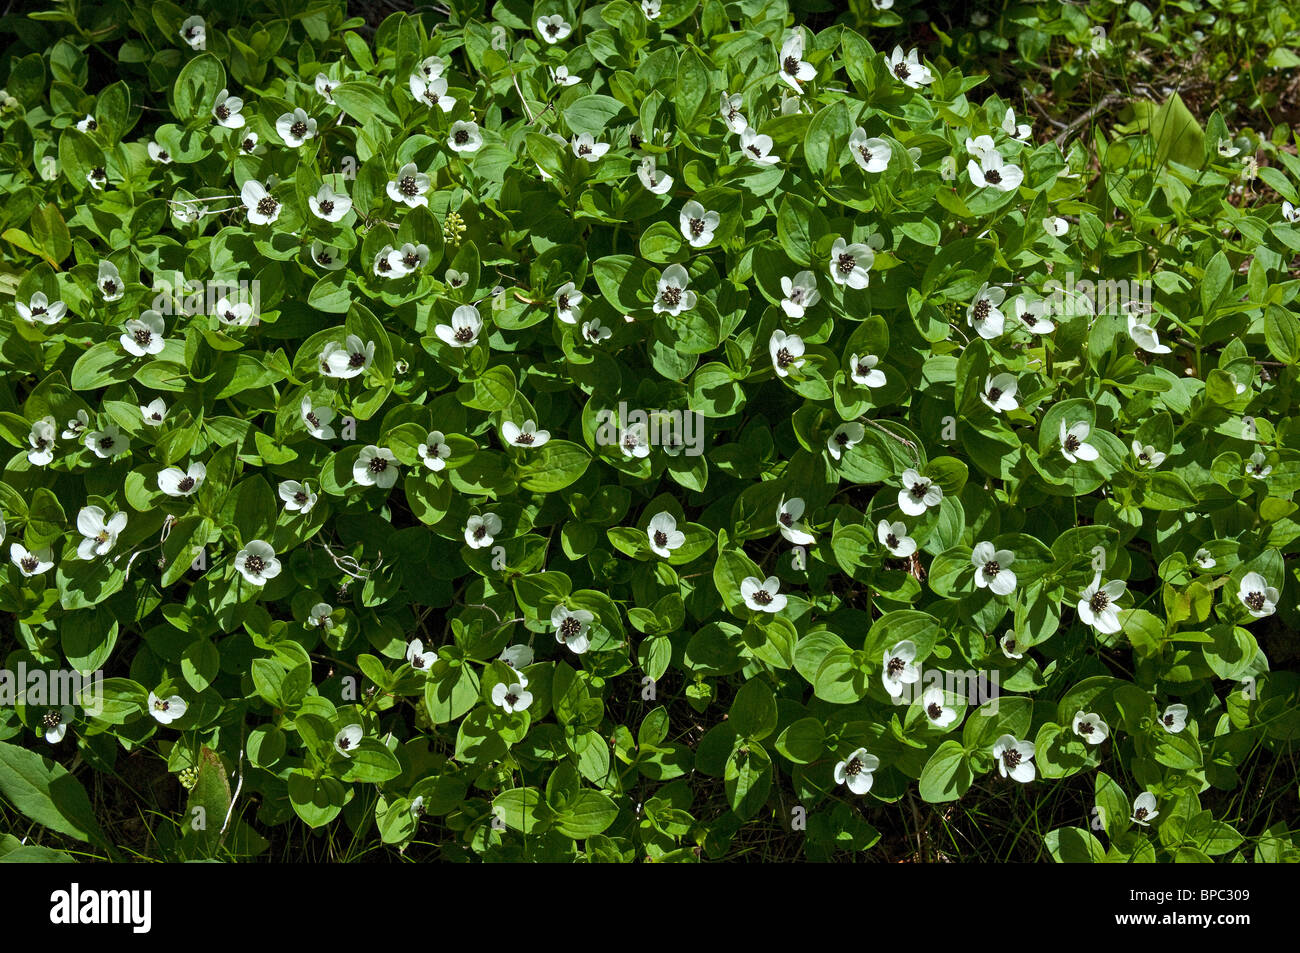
<point x="570" y="627"/>
<point x="255" y="564"/>
<point x="464" y="334"/>
<point x="671" y="296"/>
<point x="696" y="227"/>
<point x="993" y="176"/>
<point x="791" y="65"/>
<point x="902" y="71"/>
<point x="763" y="597"/>
<point x="300" y="497"/>
<point x="635" y="141"/>
<point x="313" y="420"/>
<point x="298" y="129"/>
<point x="1255" y="601"/>
<point x="1086" y="728"/>
<point x="846" y="263"/>
<point x="186" y="484"/>
<point x="1169" y="720"/>
<point x="1071" y="443"/>
<point x="991" y="568"/>
<point x="1099" y="601"/>
<point x="895" y="666"/>
<point x="853" y="768"/>
<point x="981" y="309"/>
<point x="377" y="465"/>
<point x="267" y="205"/>
<point x="1011" y="757"/>
<point x="935" y="711"/>
<point x="345" y="744"/>
<point x="223" y="112"/>
<point x="919" y="489"/>
<point x="1140" y="814"/>
<point x="407" y="186"/>
<point x="480" y="532"/>
<point x="52" y="718"/>
<point x="461" y="137"/>
<point x="143" y="336"/>
<point x="356" y="360"/>
<point x="994" y="394"/>
<point x="864" y="370"/>
<point x="526" y="439"/>
<point x="249" y="145"/>
<point x="327" y="207"/>
<point x="106" y="443"/>
<point x="865" y="153"/>
<point x="786" y="520"/>
<point x="891" y="541"/>
<point x="30" y="563"/>
<point x="661" y="538"/>
<point x="784" y="358"/>
<point x="110" y="286"/>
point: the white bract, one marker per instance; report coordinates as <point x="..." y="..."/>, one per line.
<point x="654" y="180"/>
<point x="177" y="482"/>
<point x="1097" y="606"/>
<point x="1071" y="439"/>
<point x="1015" y="758"/>
<point x="864" y="372"/>
<point x="1174" y="719"/>
<point x="991" y="568"/>
<point x="31" y="562"/>
<point x="375" y="466"/>
<point x="1144" y="809"/>
<point x="317" y="420"/>
<point x="800" y="293"/>
<point x="41" y="310"/>
<point x="850" y="264"/>
<point x="999" y="393"/>
<point x="983" y="314"/>
<point x="918" y="493"/>
<point x="227" y="109"/>
<point x="329" y="205"/>
<point x="900" y="668"/>
<point x="794" y="70"/>
<point x="1090" y="727"/>
<point x="586" y="147"/>
<point x="934" y="704"/>
<point x="893" y="536"/>
<point x="195" y="32"/>
<point x="568" y="303"/>
<point x="1147" y="455"/>
<point x="409" y="187"/>
<point x="524" y="436"/>
<point x="144" y="335"/>
<point x="431" y="92"/>
<point x="553" y="28"/>
<point x="481" y="531"/>
<point x="107" y="443"/>
<point x="761" y="595"/>
<point x="257" y="562"/>
<point x="41" y="440"/>
<point x="786" y="351"/>
<point x="434" y="451"/>
<point x="166" y="710"/>
<point x="346" y="741"/>
<point x="698" y="224"/>
<point x="789" y="514"/>
<point x="263" y="207"/>
<point x="992" y="171"/>
<point x="757" y="147"/>
<point x="844" y="438"/>
<point x="870" y="153"/>
<point x="511" y="697"/>
<point x="465" y="137"/>
<point x="857" y="771"/>
<point x="297" y="497"/>
<point x="100" y="531"/>
<point x="571" y="628"/>
<point x="418" y="658"/>
<point x="1259" y="598"/>
<point x="347" y="360"/>
<point x="295" y="128"/>
<point x="672" y="295"/>
<point x="664" y="535"/>
<point x="109" y="281"/>
<point x="909" y="69"/>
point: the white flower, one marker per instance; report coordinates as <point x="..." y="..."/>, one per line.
<point x="980" y="146"/>
<point x="561" y="76"/>
<point x="568" y="303"/>
<point x="347" y="739"/>
<point x="871" y="154"/>
<point x="664" y="535"/>
<point x="1009" y="645"/>
<point x="375" y="466"/>
<point x="55" y="723"/>
<point x="1097" y="606"/>
<point x="418" y="658"/>
<point x="97" y="177"/>
<point x="991" y="568"/>
<point x="296" y="127"/>
<point x="454" y="278"/>
<point x="434" y="451"/>
<point x="1013" y="130"/>
<point x="480" y="531"/>
<point x="1147" y="456"/>
<point x="948" y="168"/>
<point x="75" y="428"/>
<point x="297" y="497"/>
<point x="88" y="124"/>
<point x="789" y="514"/>
<point x="918" y="493"/>
<point x="909" y="69"/>
<point x="320" y="614"/>
<point x="794" y="70"/>
<point x="1032" y="314"/>
<point x="634" y="441"/>
<point x="1055" y="226"/>
<point x="1259" y="598"/>
<point x="983" y="314"/>
<point x="1290" y="213"/>
<point x="263" y="207"/>
<point x="107" y="443"/>
<point x="30" y="563"/>
<point x="100" y="531"/>
<point x="1144" y="809"/>
<point x="1174" y="719"/>
<point x="432" y="67"/>
<point x="408" y="259"/>
<point x="757" y="147"/>
<point x="856" y="771"/>
<point x="553" y="29"/>
<point x="933" y="703"/>
<point x="571" y="627"/>
<point x="800" y="293"/>
<point x="526" y="436"/>
<point x="1072" y="439"/>
<point x="1015" y="758"/>
<point x="465" y="137"/>
<point x="518" y="657"/>
<point x="42" y="440"/>
<point x="325" y="88"/>
<point x="845" y="437"/>
<point x="248" y="145"/>
<point x="109" y="281"/>
<point x="464" y="328"/>
<point x="992" y="170"/>
<point x="317" y="420"/>
<point x="331" y="259"/>
<point x="672" y="296"/>
<point x="1205" y="559"/>
<point x="256" y="562"/>
<point x="166" y="710"/>
<point x="761" y="594"/>
<point x="432" y="92"/>
<point x="657" y="182"/>
<point x="851" y="264"/>
<point x="226" y="110"/>
<point x="594" y="333"/>
<point x="586" y="147"/>
<point x="1090" y="727"/>
<point x="513" y="697"/>
<point x="900" y="668"/>
<point x="864" y="372"/>
<point x="41" y="310"/>
<point x="732" y="103"/>
<point x="194" y="32"/>
<point x="1145" y="337"/>
<point x="177" y="482"/>
<point x="409" y="187"/>
<point x="697" y="224"/>
<point x="144" y="335"/>
<point x="347" y="360"/>
<point x="651" y="8"/>
<point x="329" y="205"/>
<point x="1256" y="467"/>
<point x="386" y="266"/>
<point x="1227" y="150"/>
<point x="893" y="536"/>
<point x="786" y="351"/>
<point x="999" y="393"/>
